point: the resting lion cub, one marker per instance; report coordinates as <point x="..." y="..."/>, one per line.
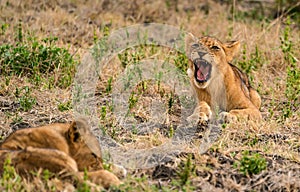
<point x="57" y="147"/>
<point x="219" y="85"/>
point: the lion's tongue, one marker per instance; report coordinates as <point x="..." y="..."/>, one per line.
<point x="202" y="73"/>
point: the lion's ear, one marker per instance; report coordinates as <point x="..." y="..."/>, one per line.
<point x="73" y="132"/>
<point x="231" y="49"/>
<point x="77" y="129"/>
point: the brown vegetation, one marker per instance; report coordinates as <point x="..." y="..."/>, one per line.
<point x="265" y="57"/>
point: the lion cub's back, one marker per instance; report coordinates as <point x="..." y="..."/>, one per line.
<point x="49" y="136"/>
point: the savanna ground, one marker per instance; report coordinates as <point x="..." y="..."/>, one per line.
<point x="42" y="42"/>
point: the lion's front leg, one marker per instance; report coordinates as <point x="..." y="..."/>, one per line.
<point x="103" y="178"/>
<point x="240" y="114"/>
<point x="202" y="114"/>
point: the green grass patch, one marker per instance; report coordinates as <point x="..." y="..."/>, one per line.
<point x="292" y="91"/>
<point x="251" y="163"/>
<point x="64" y="106"/>
<point x="39" y="60"/>
<point x="10" y="180"/>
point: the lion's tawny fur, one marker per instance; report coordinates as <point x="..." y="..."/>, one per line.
<point x="69" y="147"/>
<point x="228" y="88"/>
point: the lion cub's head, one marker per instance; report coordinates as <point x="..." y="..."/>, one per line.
<point x="83" y="146"/>
<point x="209" y="57"/>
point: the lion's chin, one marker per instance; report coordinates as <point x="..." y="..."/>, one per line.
<point x="202" y="85"/>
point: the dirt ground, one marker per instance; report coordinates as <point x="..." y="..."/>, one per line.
<point x="78" y="23"/>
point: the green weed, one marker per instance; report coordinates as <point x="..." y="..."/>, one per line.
<point x="109" y="85"/>
<point x="186" y="170"/>
<point x="133" y="99"/>
<point x="253" y="63"/>
<point x="24" y="98"/>
<point x="171" y="101"/>
<point x="181" y="61"/>
<point x="84" y="186"/>
<point x="251" y="163"/>
<point x="3" y="28"/>
<point x="10" y="180"/>
<point x="132" y="55"/>
<point x="64" y="106"/>
<point x="292" y="91"/>
<point x="171" y="131"/>
<point x="37" y="59"/>
<point x="16" y="118"/>
<point x="158" y="78"/>
<point x="46" y="175"/>
<point x="103" y="112"/>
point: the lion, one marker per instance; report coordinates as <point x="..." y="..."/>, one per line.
<point x="60" y="147"/>
<point x="219" y="86"/>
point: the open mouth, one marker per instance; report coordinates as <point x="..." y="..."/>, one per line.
<point x="202" y="70"/>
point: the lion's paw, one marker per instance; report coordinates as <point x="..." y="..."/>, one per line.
<point x="225" y="117"/>
<point x="198" y="119"/>
<point x="203" y="119"/>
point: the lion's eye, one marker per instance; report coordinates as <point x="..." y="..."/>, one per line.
<point x="215" y="48"/>
<point x="94" y="155"/>
<point x="195" y="45"/>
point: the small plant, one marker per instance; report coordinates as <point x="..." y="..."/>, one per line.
<point x="158" y="78"/>
<point x="292" y="91"/>
<point x="84" y="186"/>
<point x="3" y="28"/>
<point x="253" y="63"/>
<point x="123" y="57"/>
<point x="186" y="171"/>
<point x="16" y="118"/>
<point x="171" y="102"/>
<point x="181" y="61"/>
<point x="8" y="170"/>
<point x="134" y="130"/>
<point x="109" y="85"/>
<point x="47" y="175"/>
<point x="103" y="112"/>
<point x="171" y="131"/>
<point x="253" y="141"/>
<point x="251" y="163"/>
<point x="64" y="106"/>
<point x="133" y="99"/>
<point x="25" y="99"/>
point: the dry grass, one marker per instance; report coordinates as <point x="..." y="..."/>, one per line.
<point x="77" y="23"/>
